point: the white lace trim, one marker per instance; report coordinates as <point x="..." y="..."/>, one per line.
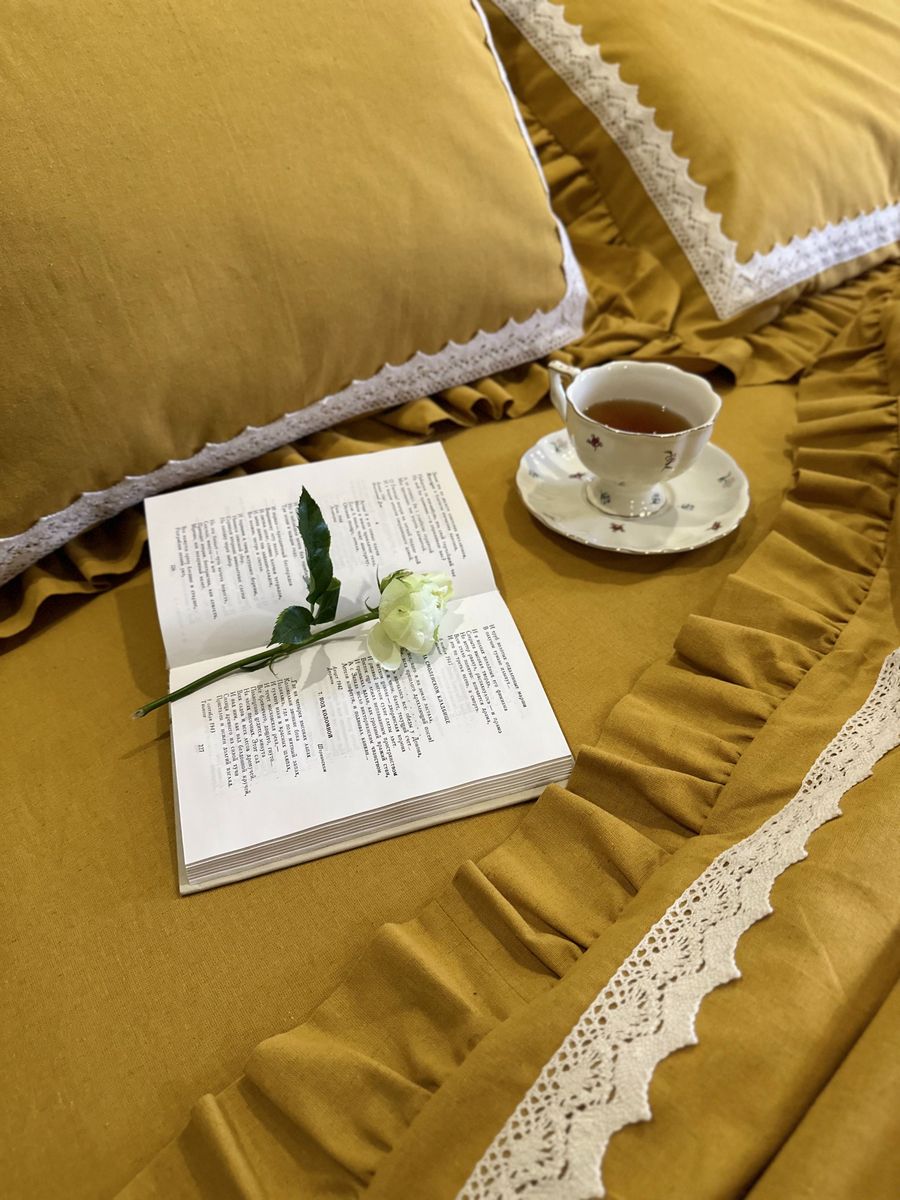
<point x="423" y="374"/>
<point x="731" y="286"/>
<point x="598" y="1080"/>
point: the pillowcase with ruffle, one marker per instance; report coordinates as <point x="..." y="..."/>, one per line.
<point x="754" y="148"/>
<point x="228" y="226"/>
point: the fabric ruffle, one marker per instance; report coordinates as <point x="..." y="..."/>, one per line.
<point x="92" y="562"/>
<point x="634" y="311"/>
<point x="425" y="994"/>
<point x="638" y="306"/>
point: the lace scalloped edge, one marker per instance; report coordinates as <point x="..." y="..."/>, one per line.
<point x="514" y="343"/>
<point x="598" y="1080"/>
<point x="732" y="286"/>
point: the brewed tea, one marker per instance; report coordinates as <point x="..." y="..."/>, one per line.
<point x="637" y="416"/>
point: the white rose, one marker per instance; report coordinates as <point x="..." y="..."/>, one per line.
<point x="409" y="614"/>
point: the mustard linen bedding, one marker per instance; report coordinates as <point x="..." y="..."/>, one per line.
<point x="752" y="148"/>
<point x="204" y="204"/>
<point x="130" y="1002"/>
<point x="125" y="1004"/>
<point x="396" y="1084"/>
<point x="635" y="310"/>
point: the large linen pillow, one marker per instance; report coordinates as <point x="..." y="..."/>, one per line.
<point x="753" y="147"/>
<point x="226" y="225"/>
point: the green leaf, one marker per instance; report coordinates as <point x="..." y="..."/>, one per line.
<point x="292" y="626"/>
<point x="401" y="574"/>
<point x="327" y="606"/>
<point x="317" y="544"/>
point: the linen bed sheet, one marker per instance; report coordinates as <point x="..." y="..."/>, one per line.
<point x="396" y="1084"/>
<point x="124" y="1004"/>
<point x="125" y="1001"/>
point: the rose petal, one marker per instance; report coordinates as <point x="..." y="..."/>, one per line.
<point x="396" y="592"/>
<point x="383" y="649"/>
<point x="396" y="623"/>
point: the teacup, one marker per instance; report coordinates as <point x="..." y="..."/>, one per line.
<point x="628" y="470"/>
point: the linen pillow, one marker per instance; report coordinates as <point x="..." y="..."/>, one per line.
<point x="765" y="136"/>
<point x="228" y="225"/>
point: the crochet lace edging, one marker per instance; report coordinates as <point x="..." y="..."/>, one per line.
<point x="598" y="1080"/>
<point x="455" y="363"/>
<point x="732" y="286"/>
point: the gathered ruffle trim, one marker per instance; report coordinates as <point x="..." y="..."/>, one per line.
<point x="670" y="745"/>
<point x="732" y="286"/>
<point x="426" y="993"/>
<point x="598" y="1080"/>
<point x="632" y="311"/>
<point x="92" y="561"/>
<point x="641" y="308"/>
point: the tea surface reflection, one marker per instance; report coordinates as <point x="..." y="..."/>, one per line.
<point x="637" y="416"/>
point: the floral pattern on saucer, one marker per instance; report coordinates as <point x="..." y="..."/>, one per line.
<point x="705" y="504"/>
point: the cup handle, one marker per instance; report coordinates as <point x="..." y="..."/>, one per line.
<point x="558" y="372"/>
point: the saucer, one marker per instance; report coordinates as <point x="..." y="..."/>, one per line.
<point x="704" y="504"/>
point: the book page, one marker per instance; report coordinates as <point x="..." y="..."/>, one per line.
<point x="227" y="557"/>
<point x="330" y="733"/>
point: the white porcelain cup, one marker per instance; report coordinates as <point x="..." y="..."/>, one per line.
<point x="628" y="471"/>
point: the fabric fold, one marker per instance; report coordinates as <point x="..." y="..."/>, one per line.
<point x="93" y="561"/>
<point x="512" y="926"/>
<point x="633" y="311"/>
<point x="812" y="571"/>
<point x="514" y="917"/>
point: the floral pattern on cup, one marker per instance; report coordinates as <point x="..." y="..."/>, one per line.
<point x="562" y="503"/>
<point x="626" y="468"/>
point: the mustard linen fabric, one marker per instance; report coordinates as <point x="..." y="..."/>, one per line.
<point x="643" y="309"/>
<point x="396" y="1084"/>
<point x="102" y="942"/>
<point x="785" y="117"/>
<point x="124" y="1002"/>
<point x="633" y="312"/>
<point x="218" y="213"/>
<point x="845" y="1144"/>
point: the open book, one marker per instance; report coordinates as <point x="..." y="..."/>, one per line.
<point x="328" y="750"/>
